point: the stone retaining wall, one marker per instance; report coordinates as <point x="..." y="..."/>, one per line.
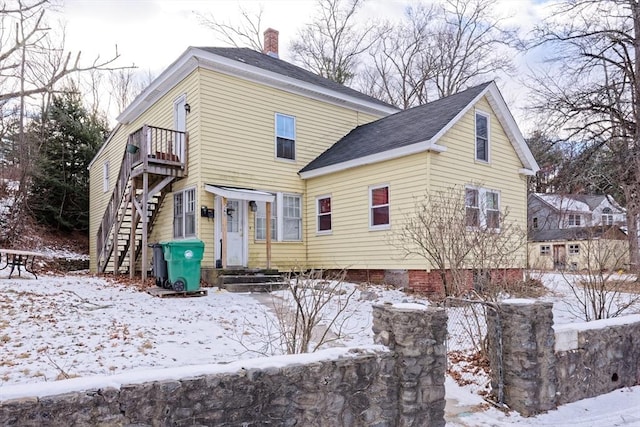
<point x="543" y="367"/>
<point x="398" y="385"/>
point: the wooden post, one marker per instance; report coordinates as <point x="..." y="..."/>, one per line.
<point x="223" y="226"/>
<point x="268" y="226"/>
<point x="145" y="223"/>
<point x="132" y="234"/>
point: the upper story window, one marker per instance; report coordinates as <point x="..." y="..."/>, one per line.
<point x="482" y="208"/>
<point x="184" y="213"/>
<point x="379" y="207"/>
<point x="575" y="220"/>
<point x="607" y="216"/>
<point x="535" y="223"/>
<point x="324" y="214"/>
<point x="482" y="136"/>
<point x="285" y="137"/>
<point x="105" y="176"/>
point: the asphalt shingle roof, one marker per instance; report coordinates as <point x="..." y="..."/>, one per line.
<point x="577" y="233"/>
<point x="404" y="128"/>
<point x="275" y="65"/>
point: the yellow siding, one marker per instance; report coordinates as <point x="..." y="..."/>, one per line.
<point x="238" y="149"/>
<point x="353" y="245"/>
<point x="231" y="142"/>
<point x="161" y="115"/>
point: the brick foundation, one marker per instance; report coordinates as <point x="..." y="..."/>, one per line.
<point x="423" y="281"/>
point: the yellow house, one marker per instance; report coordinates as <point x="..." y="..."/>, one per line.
<point x="576" y="249"/>
<point x="273" y="166"/>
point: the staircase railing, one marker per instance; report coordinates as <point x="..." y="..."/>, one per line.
<point x="149" y="143"/>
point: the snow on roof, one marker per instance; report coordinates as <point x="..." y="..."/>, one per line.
<point x="564" y="202"/>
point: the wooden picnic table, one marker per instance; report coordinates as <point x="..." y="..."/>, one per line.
<point x="20" y="259"/>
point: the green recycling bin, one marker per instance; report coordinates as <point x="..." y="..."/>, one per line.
<point x="183" y="263"/>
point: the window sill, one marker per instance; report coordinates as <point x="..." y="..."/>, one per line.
<point x="285" y="160"/>
<point x="379" y="227"/>
<point x="324" y="233"/>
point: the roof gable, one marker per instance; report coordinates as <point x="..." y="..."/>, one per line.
<point x="415" y="130"/>
<point x="580" y="203"/>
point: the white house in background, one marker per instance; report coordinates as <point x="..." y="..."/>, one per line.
<point x="564" y="211"/>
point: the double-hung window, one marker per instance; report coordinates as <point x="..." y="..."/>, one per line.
<point x="574" y="249"/>
<point x="292" y="217"/>
<point x="607" y="216"/>
<point x="482" y="136"/>
<point x="285" y="137"/>
<point x="324" y="214"/>
<point x="575" y="220"/>
<point x="261" y="221"/>
<point x="379" y="207"/>
<point x="184" y="213"/>
<point x="482" y="208"/>
<point x="472" y="207"/>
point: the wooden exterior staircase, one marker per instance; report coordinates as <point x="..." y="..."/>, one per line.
<point x="154" y="158"/>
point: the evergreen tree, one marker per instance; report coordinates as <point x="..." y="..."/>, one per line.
<point x="59" y="195"/>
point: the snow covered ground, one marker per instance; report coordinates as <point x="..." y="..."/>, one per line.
<point x="64" y="327"/>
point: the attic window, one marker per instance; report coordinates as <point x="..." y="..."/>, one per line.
<point x="607" y="216"/>
<point x="575" y="220"/>
<point x="482" y="136"/>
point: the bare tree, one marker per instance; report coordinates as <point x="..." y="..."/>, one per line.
<point x="470" y="45"/>
<point x="591" y="93"/>
<point x="247" y="33"/>
<point x="437" y="51"/>
<point x="314" y="311"/>
<point x="33" y="66"/>
<point x="437" y="232"/>
<point x="331" y="45"/>
<point x="402" y="68"/>
<point x="600" y="291"/>
<point x="445" y="232"/>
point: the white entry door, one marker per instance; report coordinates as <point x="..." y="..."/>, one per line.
<point x="179" y="124"/>
<point x="235" y="234"/>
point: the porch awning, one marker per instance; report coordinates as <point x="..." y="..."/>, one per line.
<point x="240" y="193"/>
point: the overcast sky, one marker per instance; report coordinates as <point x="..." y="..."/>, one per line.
<point x="153" y="33"/>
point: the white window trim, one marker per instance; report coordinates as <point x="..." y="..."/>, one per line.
<point x="280" y="218"/>
<point x="275" y="138"/>
<point x="574" y="249"/>
<point x="475" y="136"/>
<point x="482" y="208"/>
<point x="382" y="226"/>
<point x="274" y="215"/>
<point x="573" y="223"/>
<point x="184" y="213"/>
<point x="318" y="198"/>
<point x="105" y="176"/>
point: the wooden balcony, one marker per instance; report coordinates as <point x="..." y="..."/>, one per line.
<point x="158" y="151"/>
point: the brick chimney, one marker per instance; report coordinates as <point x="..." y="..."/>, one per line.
<point x="271" y="42"/>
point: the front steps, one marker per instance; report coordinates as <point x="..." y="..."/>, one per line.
<point x="244" y="279"/>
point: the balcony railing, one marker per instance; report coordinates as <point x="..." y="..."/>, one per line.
<point x="151" y="144"/>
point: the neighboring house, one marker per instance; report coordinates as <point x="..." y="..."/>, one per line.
<point x="562" y="228"/>
<point x="563" y="211"/>
<point x="273" y="166"/>
<point x="593" y="248"/>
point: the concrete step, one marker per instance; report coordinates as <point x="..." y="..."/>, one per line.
<point x="253" y="287"/>
<point x="249" y="278"/>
